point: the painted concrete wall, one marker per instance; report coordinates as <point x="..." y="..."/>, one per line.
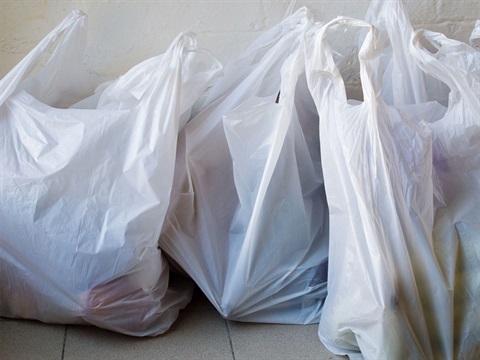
<point x="123" y="33"/>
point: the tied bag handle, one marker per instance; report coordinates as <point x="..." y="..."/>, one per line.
<point x="459" y="83"/>
<point x="320" y="60"/>
<point x="74" y="25"/>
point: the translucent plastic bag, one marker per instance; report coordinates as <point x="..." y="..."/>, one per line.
<point x="248" y="219"/>
<point x="387" y="296"/>
<point x="85" y="186"/>
<point x="456" y="160"/>
<point x="439" y="77"/>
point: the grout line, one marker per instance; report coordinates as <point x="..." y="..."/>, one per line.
<point x="230" y="338"/>
<point x="64" y="341"/>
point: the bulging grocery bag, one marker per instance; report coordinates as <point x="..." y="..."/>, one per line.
<point x="248" y="215"/>
<point x="387" y="294"/>
<point x="422" y="78"/>
<point x="456" y="161"/>
<point x="85" y="184"/>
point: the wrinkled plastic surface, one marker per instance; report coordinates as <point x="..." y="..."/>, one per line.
<point x="379" y="185"/>
<point x="456" y="161"/>
<point x="402" y="183"/>
<point x="403" y="82"/>
<point x="248" y="217"/>
<point x="85" y="185"/>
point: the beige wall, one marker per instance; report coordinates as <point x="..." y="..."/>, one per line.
<point x="122" y="33"/>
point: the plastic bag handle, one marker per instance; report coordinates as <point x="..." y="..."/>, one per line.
<point x="175" y="53"/>
<point x="457" y="83"/>
<point x="368" y="51"/>
<point x="391" y="17"/>
<point x="217" y="65"/>
<point x="75" y="22"/>
<point x="293" y="23"/>
<point x="290" y="8"/>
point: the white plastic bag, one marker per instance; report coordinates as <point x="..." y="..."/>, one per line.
<point x="475" y="36"/>
<point x="455" y="136"/>
<point x="248" y="219"/>
<point x="84" y="190"/>
<point x="387" y="296"/>
<point x="456" y="160"/>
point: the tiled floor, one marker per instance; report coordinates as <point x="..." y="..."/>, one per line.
<point x="199" y="333"/>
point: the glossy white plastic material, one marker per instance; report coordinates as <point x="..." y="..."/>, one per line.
<point x="402" y="182"/>
<point x="456" y="161"/>
<point x="403" y="82"/>
<point x="85" y="185"/>
<point x="248" y="216"/>
<point x="386" y="291"/>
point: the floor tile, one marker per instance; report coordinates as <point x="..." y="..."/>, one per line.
<point x="195" y="335"/>
<point x="23" y="339"/>
<point x="279" y="342"/>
